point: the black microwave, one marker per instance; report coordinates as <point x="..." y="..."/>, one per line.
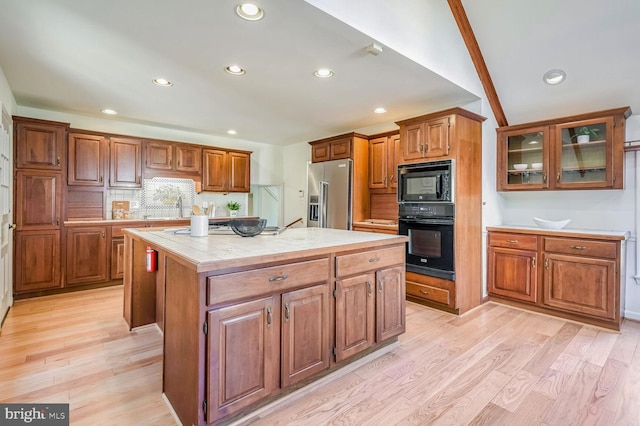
<point x="426" y="182"/>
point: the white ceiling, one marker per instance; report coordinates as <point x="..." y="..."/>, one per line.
<point x="83" y="56"/>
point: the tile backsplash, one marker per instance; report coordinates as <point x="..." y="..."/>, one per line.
<point x="158" y="199"/>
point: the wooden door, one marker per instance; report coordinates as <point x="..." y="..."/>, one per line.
<point x="437" y="138"/>
<point x="117" y="258"/>
<point x="355" y="315"/>
<point x="159" y="156"/>
<point x="390" y="303"/>
<point x="86" y="160"/>
<point x="6" y="215"/>
<point x="39" y="145"/>
<point x="214" y="175"/>
<point x="305" y="333"/>
<point x="37" y="260"/>
<point x="243" y="355"/>
<point x="394" y="157"/>
<point x="378" y="163"/>
<point x="239" y="172"/>
<point x="38" y="195"/>
<point x="581" y="284"/>
<point x="512" y="273"/>
<point x="188" y="158"/>
<point x="412" y="141"/>
<point x="125" y="169"/>
<point x="87" y="255"/>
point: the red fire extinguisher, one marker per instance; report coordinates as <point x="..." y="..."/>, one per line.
<point x="152" y="260"/>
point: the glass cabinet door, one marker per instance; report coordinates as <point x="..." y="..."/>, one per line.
<point x="525" y="159"/>
<point x="583" y="154"/>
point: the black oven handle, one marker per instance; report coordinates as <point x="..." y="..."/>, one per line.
<point x="428" y="221"/>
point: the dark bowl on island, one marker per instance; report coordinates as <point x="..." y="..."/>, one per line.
<point x="247" y="227"/>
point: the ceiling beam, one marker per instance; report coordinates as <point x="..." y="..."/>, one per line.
<point x="478" y="61"/>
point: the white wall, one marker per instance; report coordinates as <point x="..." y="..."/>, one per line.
<point x="295" y="159"/>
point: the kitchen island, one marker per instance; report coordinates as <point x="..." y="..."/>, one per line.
<point x="245" y="320"/>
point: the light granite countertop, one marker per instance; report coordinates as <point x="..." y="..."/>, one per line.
<point x="566" y="232"/>
<point x="216" y="252"/>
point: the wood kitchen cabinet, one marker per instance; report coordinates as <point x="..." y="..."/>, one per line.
<point x="37" y="261"/>
<point x="555" y="155"/>
<point x="87" y="255"/>
<point x="383" y="161"/>
<point x="424" y="137"/>
<point x="512" y="269"/>
<point x="172" y="157"/>
<point x="125" y="163"/>
<point x="370" y="294"/>
<point x="39" y="144"/>
<point x="578" y="277"/>
<point x="38" y="200"/>
<point x="86" y="159"/>
<point x="226" y="171"/>
<point x="334" y="148"/>
<point x="243" y="355"/>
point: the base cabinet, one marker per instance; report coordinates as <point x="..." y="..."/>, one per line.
<point x="355" y="315"/>
<point x="87" y="255"/>
<point x="243" y="355"/>
<point x="37" y="260"/>
<point x="579" y="277"/>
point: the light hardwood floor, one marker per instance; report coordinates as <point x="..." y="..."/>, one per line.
<point x="494" y="366"/>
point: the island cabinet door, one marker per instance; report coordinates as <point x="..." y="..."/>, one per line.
<point x="355" y="315"/>
<point x="390" y="303"/>
<point x="243" y="355"/>
<point x="305" y="333"/>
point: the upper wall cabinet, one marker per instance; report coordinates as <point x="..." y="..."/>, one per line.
<point x="166" y="158"/>
<point x="86" y="160"/>
<point x="424" y="137"/>
<point x="384" y="153"/>
<point x="334" y="148"/>
<point x="39" y="144"/>
<point x="125" y="163"/>
<point x="579" y="152"/>
<point x="226" y="171"/>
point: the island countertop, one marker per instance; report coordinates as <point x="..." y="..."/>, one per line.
<point x="216" y="252"/>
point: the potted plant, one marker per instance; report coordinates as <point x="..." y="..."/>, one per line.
<point x="584" y="134"/>
<point x="233" y="207"/>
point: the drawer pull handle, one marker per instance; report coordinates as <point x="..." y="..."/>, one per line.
<point x="424" y="292"/>
<point x="579" y="247"/>
<point x="287" y="312"/>
<point x="370" y="288"/>
<point x="380" y="284"/>
<point x="374" y="259"/>
<point x="278" y="278"/>
<point x="512" y="241"/>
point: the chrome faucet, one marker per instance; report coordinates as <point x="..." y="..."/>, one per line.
<point x="179" y="206"/>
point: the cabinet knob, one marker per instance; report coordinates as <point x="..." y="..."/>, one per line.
<point x="558" y="178"/>
<point x="269" y="316"/>
<point x="380" y="284"/>
<point x="286" y="312"/>
<point x="533" y="262"/>
<point x="544" y="177"/>
<point x="58" y="161"/>
<point x="370" y="288"/>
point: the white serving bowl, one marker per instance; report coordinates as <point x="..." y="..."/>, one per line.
<point x="536" y="166"/>
<point x="520" y="166"/>
<point x="551" y="224"/>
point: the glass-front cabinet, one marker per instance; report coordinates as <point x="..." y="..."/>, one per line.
<point x="526" y="158"/>
<point x="579" y="152"/>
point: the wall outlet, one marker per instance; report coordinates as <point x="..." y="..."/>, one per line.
<point x="134" y="204"/>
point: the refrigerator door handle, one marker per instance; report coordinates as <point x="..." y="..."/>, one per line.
<point x="324" y="196"/>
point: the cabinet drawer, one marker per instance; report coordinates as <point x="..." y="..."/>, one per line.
<point x="241" y="285"/>
<point x="356" y="263"/>
<point x="427" y="292"/>
<point x="519" y="241"/>
<point x="605" y="249"/>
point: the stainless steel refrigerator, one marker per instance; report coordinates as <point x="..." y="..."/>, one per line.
<point x="329" y="189"/>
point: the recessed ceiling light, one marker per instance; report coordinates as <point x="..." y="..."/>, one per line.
<point x="554" y="77"/>
<point x="109" y="111"/>
<point x="249" y="11"/>
<point x="323" y="73"/>
<point x="162" y="82"/>
<point x="232" y="132"/>
<point x="235" y="70"/>
<point x="380" y="110"/>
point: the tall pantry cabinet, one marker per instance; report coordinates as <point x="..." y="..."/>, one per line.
<point x="39" y="175"/>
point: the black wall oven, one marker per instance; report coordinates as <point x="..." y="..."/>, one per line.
<point x="430" y="229"/>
